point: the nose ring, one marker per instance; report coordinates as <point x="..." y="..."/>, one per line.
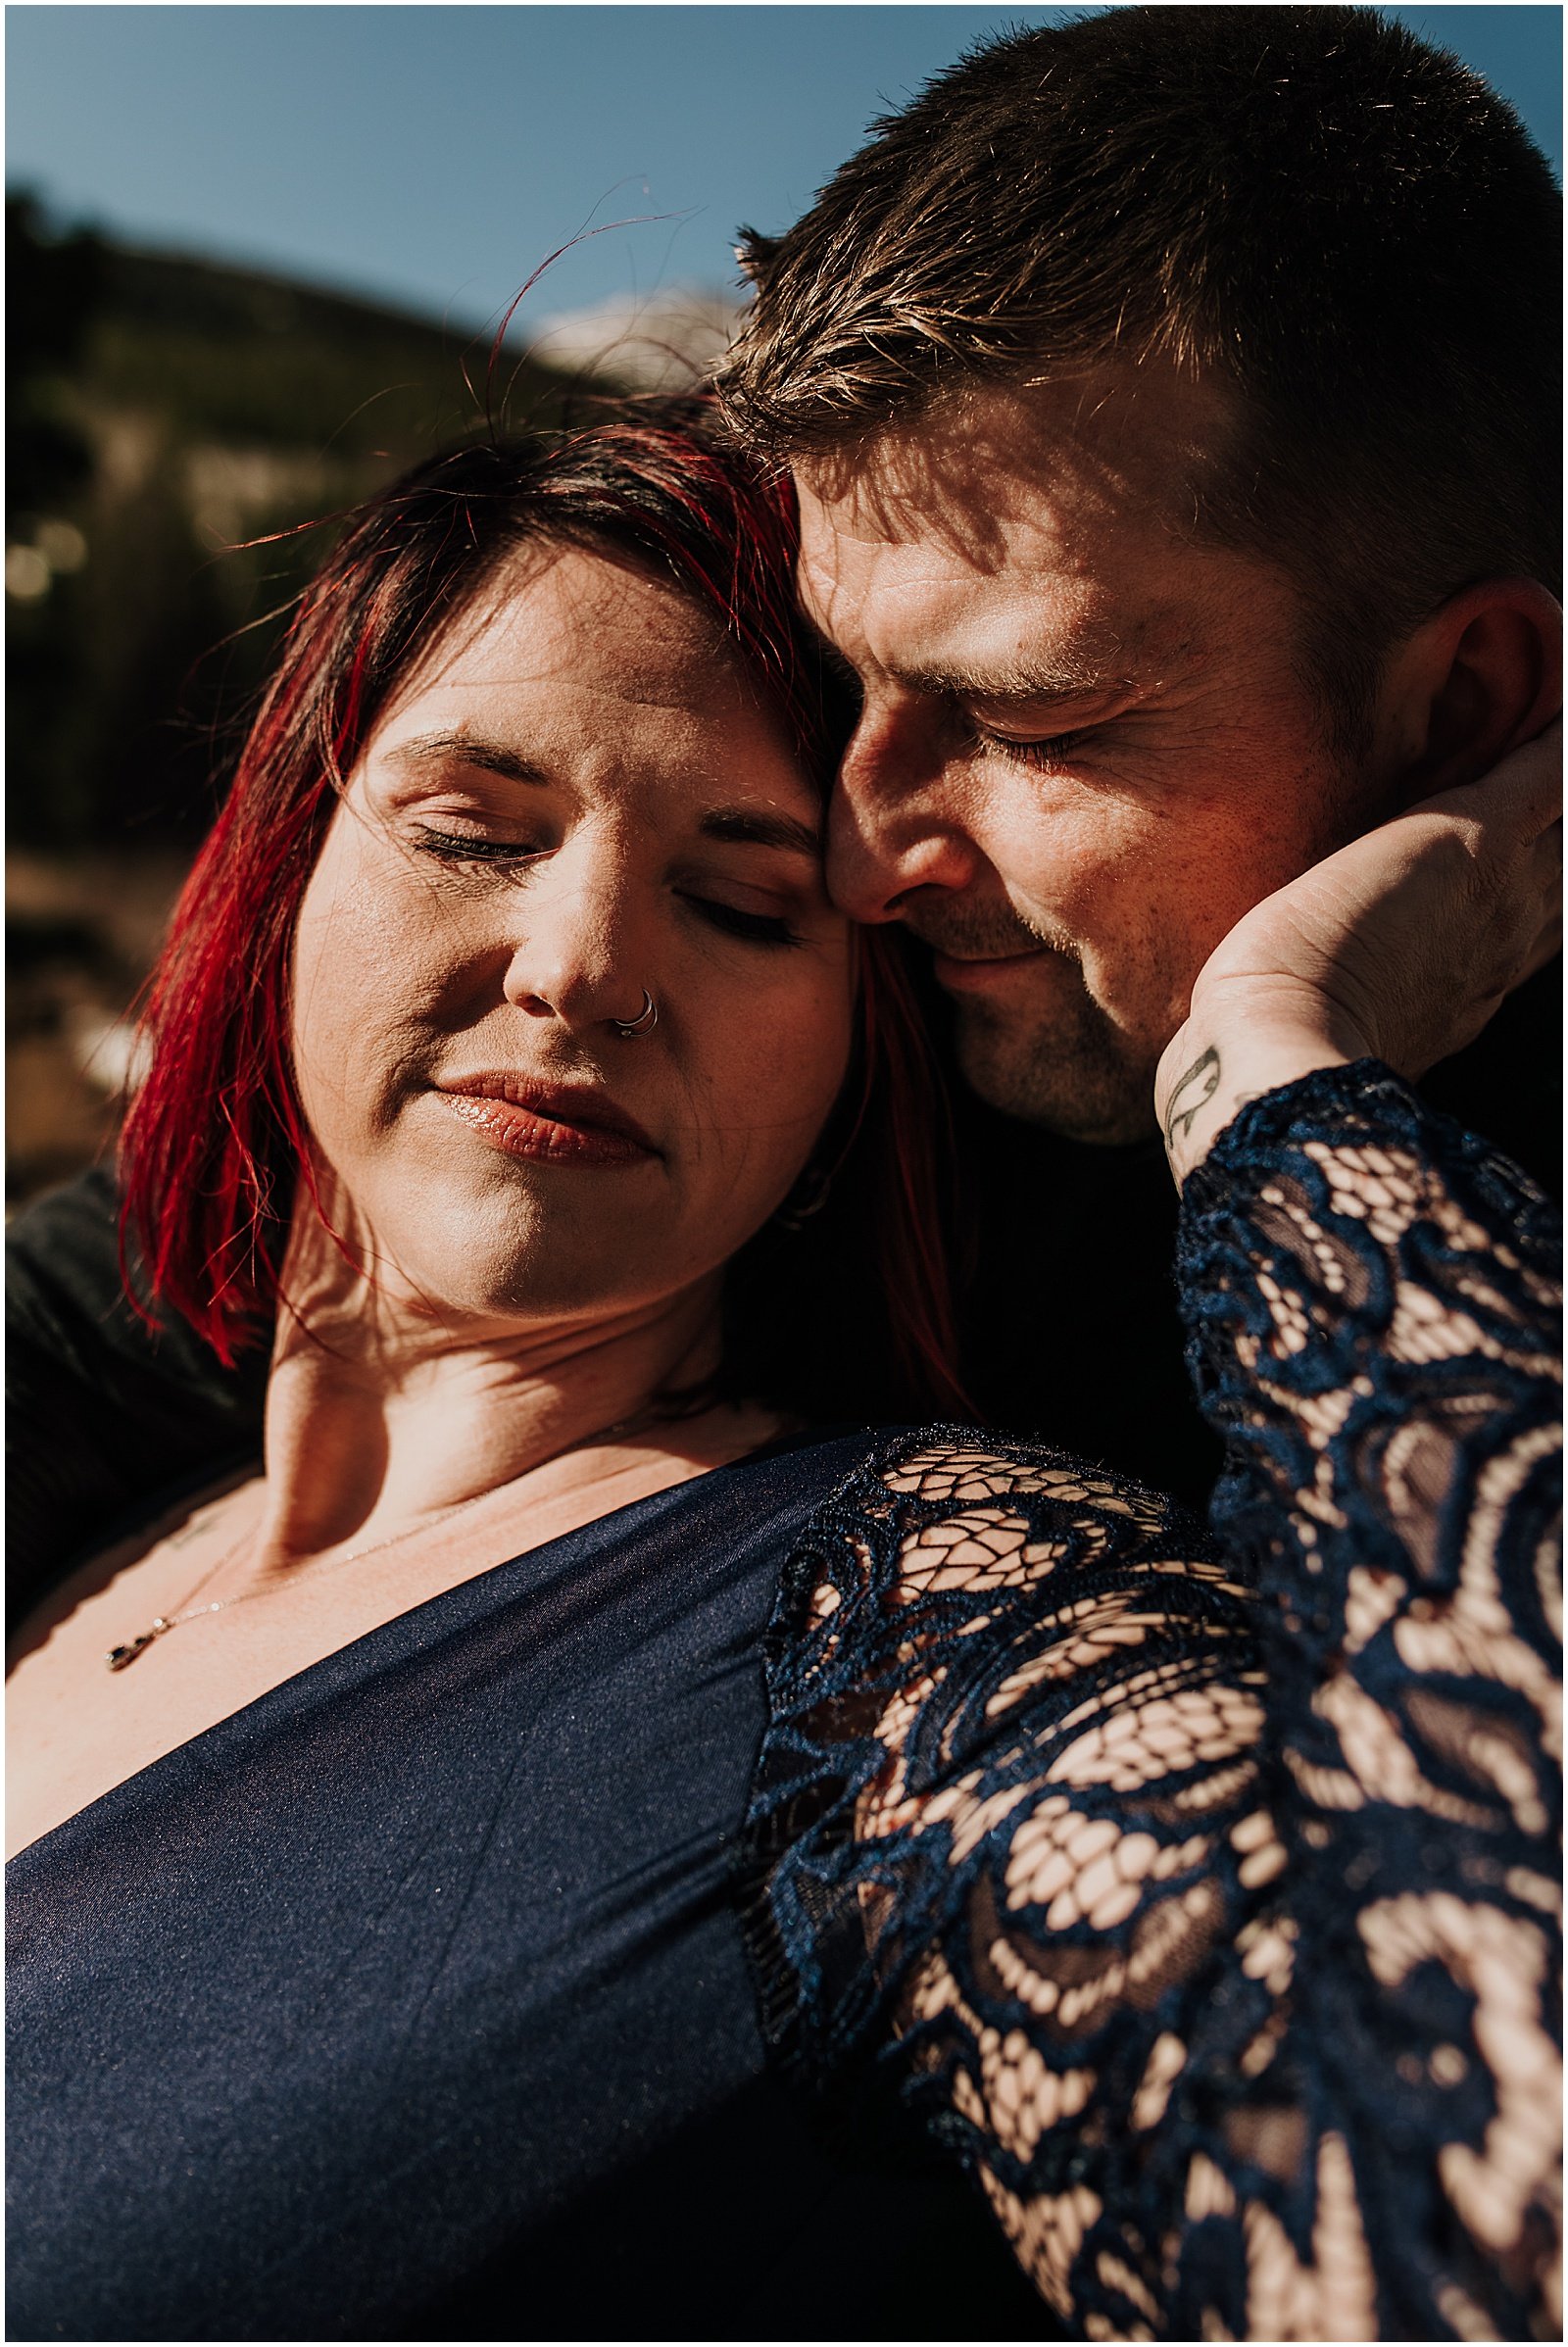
<point x="644" y="1023"/>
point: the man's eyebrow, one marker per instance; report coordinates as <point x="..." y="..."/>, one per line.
<point x="752" y="827"/>
<point x="1021" y="681"/>
<point x="425" y="748"/>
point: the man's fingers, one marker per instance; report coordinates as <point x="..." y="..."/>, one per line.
<point x="1547" y="945"/>
<point x="1545" y="874"/>
<point x="1523" y="793"/>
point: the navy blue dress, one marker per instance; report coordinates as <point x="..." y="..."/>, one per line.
<point x="411" y="2000"/>
<point x="1197" y="1887"/>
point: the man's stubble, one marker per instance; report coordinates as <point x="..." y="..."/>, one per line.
<point x="1071" y="1072"/>
<point x="1050" y="1053"/>
<point x="1059" y="1061"/>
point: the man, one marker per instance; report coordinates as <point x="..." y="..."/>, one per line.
<point x="1172" y="402"/>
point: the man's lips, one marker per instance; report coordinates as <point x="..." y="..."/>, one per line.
<point x="563" y="1124"/>
<point x="960" y="972"/>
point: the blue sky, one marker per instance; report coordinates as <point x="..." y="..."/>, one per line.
<point x="434" y="156"/>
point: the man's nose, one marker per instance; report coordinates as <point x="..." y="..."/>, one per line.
<point x="894" y="824"/>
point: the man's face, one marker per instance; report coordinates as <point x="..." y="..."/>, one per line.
<point x="1086" y="747"/>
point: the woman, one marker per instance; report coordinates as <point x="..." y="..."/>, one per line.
<point x="384" y="1959"/>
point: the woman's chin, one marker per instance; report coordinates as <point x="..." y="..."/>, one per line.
<point x="482" y="1245"/>
<point x="479" y="1272"/>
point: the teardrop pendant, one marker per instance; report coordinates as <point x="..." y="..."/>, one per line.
<point x="121" y="1658"/>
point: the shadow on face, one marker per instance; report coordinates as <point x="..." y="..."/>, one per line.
<point x="575" y="807"/>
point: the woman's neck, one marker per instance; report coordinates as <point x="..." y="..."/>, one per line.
<point x="380" y="1418"/>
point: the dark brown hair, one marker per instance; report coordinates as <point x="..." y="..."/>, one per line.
<point x="847" y="1315"/>
<point x="1340" y="221"/>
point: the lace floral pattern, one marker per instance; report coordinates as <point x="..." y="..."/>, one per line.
<point x="1205" y="1884"/>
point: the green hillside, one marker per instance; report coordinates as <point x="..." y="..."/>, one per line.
<point x="166" y="413"/>
<point x="235" y="358"/>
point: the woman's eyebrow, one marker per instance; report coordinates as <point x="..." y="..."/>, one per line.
<point x="426" y="748"/>
<point x="742" y="826"/>
<point x="752" y="827"/>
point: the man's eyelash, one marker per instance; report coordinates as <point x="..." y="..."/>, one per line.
<point x="1042" y="753"/>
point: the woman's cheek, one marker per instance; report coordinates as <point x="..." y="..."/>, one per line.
<point x="793" y="1059"/>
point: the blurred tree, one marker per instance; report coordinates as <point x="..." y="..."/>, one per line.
<point x="53" y="287"/>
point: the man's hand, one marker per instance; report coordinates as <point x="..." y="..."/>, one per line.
<point x="1399" y="946"/>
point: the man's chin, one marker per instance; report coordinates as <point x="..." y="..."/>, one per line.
<point x="1075" y="1077"/>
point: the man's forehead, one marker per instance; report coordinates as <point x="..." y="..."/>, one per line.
<point x="1011" y="531"/>
<point x="913" y="610"/>
<point x="993" y="477"/>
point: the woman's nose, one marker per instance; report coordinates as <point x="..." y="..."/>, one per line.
<point x="580" y="953"/>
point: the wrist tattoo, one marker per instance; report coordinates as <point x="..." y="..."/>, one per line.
<point x="1193" y="1093"/>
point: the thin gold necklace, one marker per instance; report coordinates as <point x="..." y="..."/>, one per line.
<point x="121" y="1658"/>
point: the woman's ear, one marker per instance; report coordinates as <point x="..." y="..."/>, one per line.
<point x="1477" y="680"/>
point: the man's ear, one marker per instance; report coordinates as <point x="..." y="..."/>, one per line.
<point x="1477" y="680"/>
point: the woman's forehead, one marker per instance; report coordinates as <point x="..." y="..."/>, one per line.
<point x="571" y="618"/>
<point x="582" y="670"/>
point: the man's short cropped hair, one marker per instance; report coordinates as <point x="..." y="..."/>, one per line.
<point x="1342" y="220"/>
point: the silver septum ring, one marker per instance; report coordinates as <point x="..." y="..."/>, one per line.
<point x="644" y="1023"/>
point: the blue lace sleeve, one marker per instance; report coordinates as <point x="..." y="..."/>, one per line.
<point x="1205" y="1886"/>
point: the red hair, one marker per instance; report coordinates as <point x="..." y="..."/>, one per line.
<point x="215" y="1141"/>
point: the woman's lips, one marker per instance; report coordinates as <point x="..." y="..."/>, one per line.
<point x="553" y="1124"/>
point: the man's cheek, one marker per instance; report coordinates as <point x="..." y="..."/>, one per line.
<point x="1063" y="877"/>
<point x="1139" y="950"/>
<point x="1102" y="878"/>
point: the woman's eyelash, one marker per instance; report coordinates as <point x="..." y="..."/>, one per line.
<point x="758" y="928"/>
<point x="457" y="848"/>
<point x="462" y="847"/>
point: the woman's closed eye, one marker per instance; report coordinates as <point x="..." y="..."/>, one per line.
<point x="470" y="849"/>
<point x="735" y="921"/>
<point x="473" y="847"/>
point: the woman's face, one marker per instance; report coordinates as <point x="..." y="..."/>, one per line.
<point x="574" y="799"/>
